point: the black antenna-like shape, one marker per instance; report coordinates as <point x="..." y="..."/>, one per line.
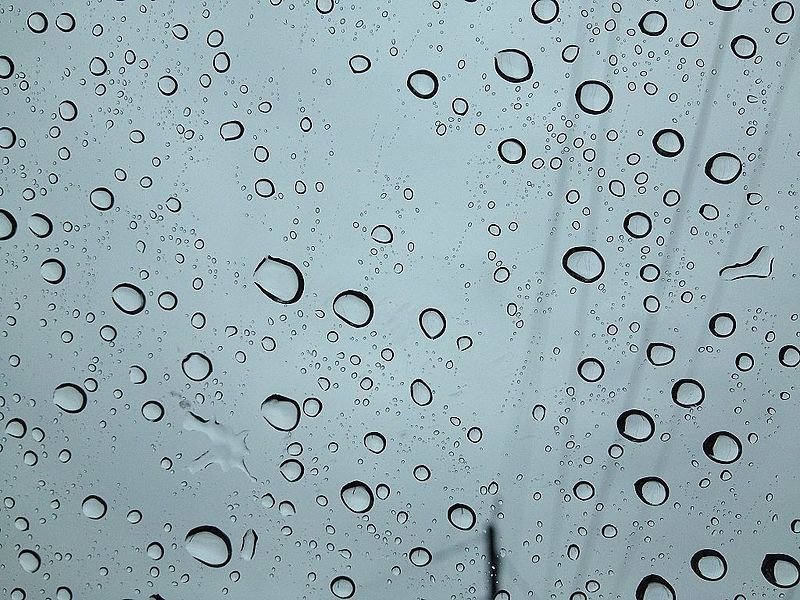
<point x="494" y="560"/>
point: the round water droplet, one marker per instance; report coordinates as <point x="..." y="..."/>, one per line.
<point x="652" y="490"/>
<point x="167" y="85"/>
<point x="357" y="496"/>
<point x="544" y="11"/>
<point x="688" y="393"/>
<point x="743" y="47"/>
<point x="53" y="271"/>
<point x="513" y="65"/>
<point x="583" y="490"/>
<point x="281" y="412"/>
<point x="636" y="425"/>
<point x="511" y="151"/>
<point x="209" y="545"/>
<point x="709" y="564"/>
<point x="789" y="356"/>
<point x="40" y="225"/>
<point x="722" y="325"/>
<point x="668" y="142"/>
<point x="583" y="263"/>
<point x="723" y="447"/>
<point x="196" y="366"/>
<point x="591" y="370"/>
<point x="419" y="556"/>
<point x="654" y="587"/>
<point x="461" y="517"/>
<point x="653" y="23"/>
<point x="660" y="354"/>
<point x="723" y="168"/>
<point x="7" y="138"/>
<point x="637" y="225"/>
<point x="16" y="428"/>
<point x="354" y="308"/>
<point x="128" y="298"/>
<point x="67" y="110"/>
<point x="423" y="84"/>
<point x="153" y="411"/>
<point x="594" y="97"/>
<point x="342" y="587"/>
<point x="292" y="470"/>
<point x="69" y="398"/>
<point x="94" y="507"/>
<point x="781" y="570"/>
<point x="382" y="234"/>
<point x="375" y="442"/>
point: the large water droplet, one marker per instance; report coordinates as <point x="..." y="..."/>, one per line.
<point x="279" y="280"/>
<point x="357" y="496"/>
<point x="69" y="398"/>
<point x="209" y="545"/>
<point x="583" y="263"/>
<point x="281" y="412"/>
<point x="196" y="366"/>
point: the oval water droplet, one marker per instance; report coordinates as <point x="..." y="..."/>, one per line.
<point x="594" y="97"/>
<point x="723" y="447"/>
<point x="688" y="393"/>
<point x="8" y="225"/>
<point x="354" y="308"/>
<point x="723" y="168"/>
<point x="375" y="442"/>
<point x="280" y="280"/>
<point x="29" y="561"/>
<point x="584" y="263"/>
<point x="654" y="587"/>
<point x="342" y="587"/>
<point x="196" y="366"/>
<point x="69" y="398"/>
<point x="591" y="370"/>
<point x="53" y="271"/>
<point x="781" y="570"/>
<point x="421" y="392"/>
<point x="281" y="412"/>
<point x="423" y="84"/>
<point x="432" y="323"/>
<point x="419" y="556"/>
<point x="513" y="65"/>
<point x="636" y="425"/>
<point x="653" y="491"/>
<point x="357" y="497"/>
<point x="94" y="507"/>
<point x="231" y="130"/>
<point x="208" y="545"/>
<point x="709" y="564"/>
<point x="128" y="298"/>
<point x="660" y="354"/>
<point x="461" y="517"/>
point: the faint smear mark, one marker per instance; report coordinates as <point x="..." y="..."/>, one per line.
<point x="228" y="449"/>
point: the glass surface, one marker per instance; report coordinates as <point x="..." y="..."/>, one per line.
<point x="443" y="299"/>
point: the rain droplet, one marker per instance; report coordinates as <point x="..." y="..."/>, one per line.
<point x="357" y="496"/>
<point x="584" y="264"/>
<point x="209" y="545"/>
<point x="196" y="366"/>
<point x="69" y="398"/>
<point x="94" y="507"/>
<point x="354" y="308"/>
<point x="281" y="412"/>
<point x="461" y="517"/>
<point x="279" y="280"/>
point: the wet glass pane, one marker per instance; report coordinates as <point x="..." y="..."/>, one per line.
<point x="450" y="299"/>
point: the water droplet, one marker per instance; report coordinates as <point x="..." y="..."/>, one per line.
<point x="281" y="412"/>
<point x="781" y="570"/>
<point x="421" y="392"/>
<point x="94" y="507"/>
<point x="209" y="545"/>
<point x="357" y="496"/>
<point x="583" y="263"/>
<point x="279" y="280"/>
<point x="636" y="425"/>
<point x="461" y="517"/>
<point x="423" y="84"/>
<point x="69" y="398"/>
<point x="128" y="298"/>
<point x="594" y="97"/>
<point x="652" y="490"/>
<point x="354" y="308"/>
<point x="723" y="447"/>
<point x="709" y="564"/>
<point x="513" y="65"/>
<point x="432" y="323"/>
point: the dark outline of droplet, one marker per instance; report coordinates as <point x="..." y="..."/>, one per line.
<point x="740" y="357"/>
<point x="708" y="447"/>
<point x="573" y="274"/>
<point x="590" y="111"/>
<point x="425" y="552"/>
<point x="423" y="72"/>
<point x="635" y="411"/>
<point x="653" y="345"/>
<point x="427" y="387"/>
<point x="208" y="360"/>
<point x="676" y="386"/>
<point x="255" y="187"/>
<point x="350" y="64"/>
<point x="775" y="6"/>
<point x="240" y="130"/>
<point x="710" y="163"/>
<point x="591" y="359"/>
<point x="444" y="323"/>
<point x="281" y="398"/>
<point x="343" y="578"/>
<point x="157" y="403"/>
<point x="743" y="37"/>
<point x="63" y="271"/>
<point x="13" y="67"/>
<point x="639" y="484"/>
<point x="504" y="159"/>
<point x="782" y="354"/>
<point x="44" y="18"/>
<point x="102" y="189"/>
<point x="542" y="21"/>
<point x="389" y="229"/>
<point x="461" y="506"/>
<point x="700" y="554"/>
<point x="173" y="80"/>
<point x="653" y="578"/>
<point x="361" y="296"/>
<point x="744" y="264"/>
<point x="628" y="219"/>
<point x="13" y="138"/>
<point x="301" y="282"/>
<point x="101" y="501"/>
<point x="564" y="50"/>
<point x="647" y="14"/>
<point x="72" y="22"/>
<point x="726" y="8"/>
<point x="668" y="153"/>
<point x="13" y="222"/>
<point x="135" y="288"/>
<point x="380" y="435"/>
<point x="73" y="105"/>
<point x="768" y="569"/>
<point x="213" y="531"/>
<point x="293" y="461"/>
<point x="464" y="337"/>
<point x="715" y="318"/>
<point x="81" y="392"/>
<point x="528" y="62"/>
<point x="357" y="484"/>
<point x="575" y="490"/>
